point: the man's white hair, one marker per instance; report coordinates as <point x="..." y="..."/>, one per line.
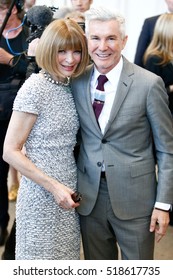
<point x="103" y="14"/>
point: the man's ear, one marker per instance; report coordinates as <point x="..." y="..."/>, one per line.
<point x="125" y="41"/>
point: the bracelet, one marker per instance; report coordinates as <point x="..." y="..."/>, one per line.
<point x="10" y="60"/>
<point x="162" y="209"/>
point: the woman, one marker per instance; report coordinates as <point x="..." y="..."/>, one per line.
<point x="158" y="57"/>
<point x="45" y="121"/>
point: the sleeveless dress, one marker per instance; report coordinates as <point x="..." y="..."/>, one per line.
<point x="44" y="230"/>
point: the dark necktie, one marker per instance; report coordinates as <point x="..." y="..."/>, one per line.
<point x="98" y="103"/>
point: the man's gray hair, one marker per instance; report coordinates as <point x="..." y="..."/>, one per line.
<point x="103" y="14"/>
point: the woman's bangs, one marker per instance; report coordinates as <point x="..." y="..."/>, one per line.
<point x="70" y="42"/>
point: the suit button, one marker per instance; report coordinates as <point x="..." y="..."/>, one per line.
<point x="99" y="164"/>
<point x="104" y="141"/>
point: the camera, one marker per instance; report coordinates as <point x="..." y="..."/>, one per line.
<point x="37" y="19"/>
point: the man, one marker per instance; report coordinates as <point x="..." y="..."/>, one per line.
<point x="81" y="5"/>
<point x="147" y="34"/>
<point x="12" y="73"/>
<point x="122" y="201"/>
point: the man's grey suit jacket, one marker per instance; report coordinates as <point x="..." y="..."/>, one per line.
<point x="139" y="114"/>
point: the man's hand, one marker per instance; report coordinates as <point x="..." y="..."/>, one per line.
<point x="159" y="223"/>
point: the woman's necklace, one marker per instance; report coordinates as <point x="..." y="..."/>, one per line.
<point x="49" y="78"/>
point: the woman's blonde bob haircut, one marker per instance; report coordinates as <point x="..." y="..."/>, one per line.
<point x="61" y="34"/>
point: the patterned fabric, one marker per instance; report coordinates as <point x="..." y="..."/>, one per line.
<point x="99" y="96"/>
<point x="45" y="230"/>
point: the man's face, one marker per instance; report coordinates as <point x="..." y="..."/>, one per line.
<point x="105" y="44"/>
<point x="81" y="5"/>
<point x="170" y="5"/>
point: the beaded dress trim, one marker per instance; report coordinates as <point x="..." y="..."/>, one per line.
<point x="51" y="80"/>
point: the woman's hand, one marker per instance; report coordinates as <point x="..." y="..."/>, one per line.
<point x="63" y="196"/>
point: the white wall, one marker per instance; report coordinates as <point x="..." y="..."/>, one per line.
<point x="134" y="11"/>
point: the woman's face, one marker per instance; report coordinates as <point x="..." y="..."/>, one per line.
<point x="68" y="61"/>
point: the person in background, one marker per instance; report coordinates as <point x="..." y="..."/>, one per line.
<point x="147" y="34"/>
<point x="28" y="4"/>
<point x="13" y="178"/>
<point x="78" y="17"/>
<point x="158" y="57"/>
<point x="123" y="203"/>
<point x="13" y="174"/>
<point x="45" y="122"/>
<point x="62" y="12"/>
<point x="81" y="5"/>
<point x="12" y="74"/>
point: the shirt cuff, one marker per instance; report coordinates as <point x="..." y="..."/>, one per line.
<point x="163" y="206"/>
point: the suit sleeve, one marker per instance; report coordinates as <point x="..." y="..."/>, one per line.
<point x="161" y="123"/>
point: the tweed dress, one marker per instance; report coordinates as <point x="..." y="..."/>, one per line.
<point x="44" y="230"/>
